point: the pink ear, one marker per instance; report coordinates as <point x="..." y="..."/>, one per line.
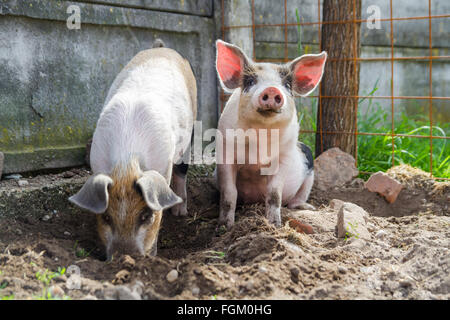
<point x="229" y="64"/>
<point x="308" y="72"/>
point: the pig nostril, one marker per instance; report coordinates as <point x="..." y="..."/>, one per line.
<point x="277" y="99"/>
<point x="265" y="97"/>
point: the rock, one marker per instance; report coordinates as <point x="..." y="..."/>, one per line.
<point x="46" y="217"/>
<point x="67" y="233"/>
<point x="352" y="222"/>
<point x="383" y="184"/>
<point x="56" y="291"/>
<point x="334" y="168"/>
<point x="23" y="183"/>
<point x="89" y="297"/>
<point x="2" y="160"/>
<point x="172" y="275"/>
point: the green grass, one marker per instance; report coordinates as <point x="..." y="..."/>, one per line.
<point x="375" y="152"/>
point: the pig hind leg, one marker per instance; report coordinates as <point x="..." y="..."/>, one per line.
<point x="302" y="195"/>
<point x="179" y="187"/>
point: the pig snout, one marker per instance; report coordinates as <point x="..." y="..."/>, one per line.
<point x="271" y="99"/>
<point x="123" y="247"/>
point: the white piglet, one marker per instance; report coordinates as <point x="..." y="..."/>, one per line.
<point x="262" y="104"/>
<point x="144" y="129"/>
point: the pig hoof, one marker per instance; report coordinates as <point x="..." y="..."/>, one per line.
<point x="302" y="206"/>
<point x="276" y="221"/>
<point x="179" y="210"/>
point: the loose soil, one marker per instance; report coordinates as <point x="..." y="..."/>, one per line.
<point x="407" y="256"/>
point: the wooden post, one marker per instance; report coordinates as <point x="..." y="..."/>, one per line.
<point x="341" y="78"/>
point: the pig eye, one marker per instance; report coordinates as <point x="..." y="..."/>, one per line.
<point x="248" y="82"/>
<point x="146" y="216"/>
<point x="106" y="218"/>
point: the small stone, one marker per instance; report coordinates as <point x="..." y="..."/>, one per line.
<point x="56" y="291"/>
<point x="197" y="271"/>
<point x="352" y="222"/>
<point x="294" y="272"/>
<point x="262" y="269"/>
<point x="46" y="217"/>
<point x="67" y="233"/>
<point x="128" y="262"/>
<point x="342" y="269"/>
<point x="23" y="183"/>
<point x="384" y="185"/>
<point x="172" y="275"/>
<point x="121" y="277"/>
<point x="195" y="291"/>
<point x="357" y="183"/>
<point x="336" y="204"/>
<point x="89" y="297"/>
<point x="250" y="285"/>
<point x="15" y="176"/>
<point x="68" y="174"/>
<point x="381" y="234"/>
<point x="334" y="168"/>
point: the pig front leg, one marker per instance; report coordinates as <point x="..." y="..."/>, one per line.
<point x="274" y="195"/>
<point x="179" y="187"/>
<point x="226" y="175"/>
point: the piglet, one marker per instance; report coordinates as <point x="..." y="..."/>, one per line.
<point x="262" y="105"/>
<point x="143" y="131"/>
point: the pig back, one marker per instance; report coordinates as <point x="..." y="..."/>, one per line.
<point x="149" y="112"/>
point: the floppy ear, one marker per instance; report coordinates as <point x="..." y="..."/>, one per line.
<point x="93" y="196"/>
<point x="230" y="65"/>
<point x="307" y="72"/>
<point x="156" y="192"/>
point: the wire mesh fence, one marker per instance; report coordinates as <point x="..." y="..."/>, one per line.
<point x="401" y="133"/>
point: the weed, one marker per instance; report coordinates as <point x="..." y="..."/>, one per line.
<point x="354" y="233"/>
<point x="215" y="254"/>
<point x="80" y="252"/>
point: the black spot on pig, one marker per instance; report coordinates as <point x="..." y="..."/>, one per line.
<point x="249" y="78"/>
<point x="286" y="78"/>
<point x="308" y="155"/>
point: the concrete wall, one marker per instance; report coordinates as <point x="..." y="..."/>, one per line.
<point x="53" y="80"/>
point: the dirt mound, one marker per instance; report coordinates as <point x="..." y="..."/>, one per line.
<point x="52" y="251"/>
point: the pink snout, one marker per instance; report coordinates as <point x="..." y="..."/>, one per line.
<point x="271" y="99"/>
